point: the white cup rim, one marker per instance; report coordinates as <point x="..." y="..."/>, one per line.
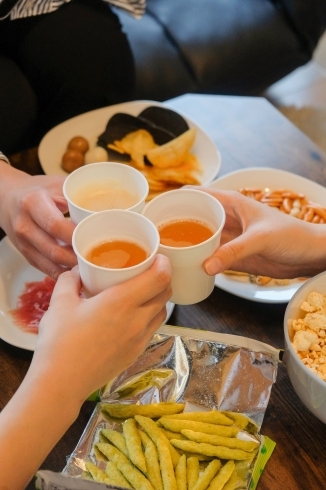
<point x="115" y="211"/>
<point x="218" y="231"/>
<point x="113" y="164"/>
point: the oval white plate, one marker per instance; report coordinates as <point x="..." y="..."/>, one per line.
<point x="272" y="178"/>
<point x="15" y="271"/>
<point x="93" y="123"/>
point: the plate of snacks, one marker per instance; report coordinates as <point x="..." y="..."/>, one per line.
<point x="25" y="294"/>
<point x="167" y="147"/>
<point x="305" y="344"/>
<point x="300" y="197"/>
<point x="170" y="421"/>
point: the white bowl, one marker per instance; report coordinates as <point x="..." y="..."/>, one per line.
<point x="273" y="179"/>
<point x="310" y="389"/>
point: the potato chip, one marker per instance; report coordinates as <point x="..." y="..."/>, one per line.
<point x="140" y="141"/>
<point x="172" y="153"/>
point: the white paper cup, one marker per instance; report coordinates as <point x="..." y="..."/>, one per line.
<point x="112" y="174"/>
<point x="190" y="283"/>
<point x="114" y="224"/>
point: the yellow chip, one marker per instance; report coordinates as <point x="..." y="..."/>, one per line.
<point x="172" y="153"/>
<point x="116" y="438"/>
<point x="231" y="442"/>
<point x="181" y="473"/>
<point x="208" y="474"/>
<point x="153" y="466"/>
<point x="192" y="471"/>
<point x="156" y="435"/>
<point x="212" y="417"/>
<point x="153" y="410"/>
<point x="140" y="141"/>
<point x="97" y="474"/>
<point x="132" y="474"/>
<point x="166" y="465"/>
<point x="133" y="444"/>
<point x="220" y="452"/>
<point x="178" y="425"/>
<point x="114" y="476"/>
<point x="222" y="477"/>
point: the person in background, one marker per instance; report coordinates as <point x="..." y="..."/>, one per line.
<point x="59" y="58"/>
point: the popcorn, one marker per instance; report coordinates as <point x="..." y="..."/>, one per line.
<point x="309" y="334"/>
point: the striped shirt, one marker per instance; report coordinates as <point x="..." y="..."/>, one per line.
<point x="3" y="157"/>
<point x="29" y="8"/>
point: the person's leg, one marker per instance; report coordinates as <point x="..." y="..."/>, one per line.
<point x="18" y="107"/>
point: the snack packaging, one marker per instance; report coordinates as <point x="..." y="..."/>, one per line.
<point x="204" y="371"/>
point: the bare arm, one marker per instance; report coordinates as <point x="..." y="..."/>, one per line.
<point x="82" y="344"/>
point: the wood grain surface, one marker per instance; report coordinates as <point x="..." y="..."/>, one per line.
<point x="249" y="132"/>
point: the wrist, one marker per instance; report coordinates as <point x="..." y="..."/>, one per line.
<point x="316" y="252"/>
<point x="54" y="392"/>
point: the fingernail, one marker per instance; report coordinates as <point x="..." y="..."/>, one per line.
<point x="212" y="266"/>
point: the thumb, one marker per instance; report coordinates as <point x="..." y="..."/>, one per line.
<point x="68" y="284"/>
<point x="230" y="253"/>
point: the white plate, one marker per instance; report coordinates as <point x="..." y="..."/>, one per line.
<point x="93" y="123"/>
<point x="272" y="178"/>
<point x="15" y="271"/>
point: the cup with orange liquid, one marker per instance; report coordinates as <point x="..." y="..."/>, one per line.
<point x="190" y="223"/>
<point x="104" y="185"/>
<point x="113" y="246"/>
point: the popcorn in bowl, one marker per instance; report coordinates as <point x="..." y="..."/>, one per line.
<point x="309" y="334"/>
<point x="305" y="344"/>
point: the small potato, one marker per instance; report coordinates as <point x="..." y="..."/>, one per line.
<point x="72" y="160"/>
<point x="78" y="143"/>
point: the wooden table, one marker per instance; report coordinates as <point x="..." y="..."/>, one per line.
<point x="248" y="132"/>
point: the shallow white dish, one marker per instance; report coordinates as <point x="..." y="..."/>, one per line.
<point x="15" y="271"/>
<point x="272" y="178"/>
<point x="310" y="388"/>
<point x="93" y="123"/>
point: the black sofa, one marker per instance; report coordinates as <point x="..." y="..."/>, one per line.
<point x="232" y="47"/>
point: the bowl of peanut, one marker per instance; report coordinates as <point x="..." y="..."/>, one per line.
<point x="305" y="344"/>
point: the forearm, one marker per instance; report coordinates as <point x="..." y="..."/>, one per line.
<point x="31" y="424"/>
<point x="313" y="258"/>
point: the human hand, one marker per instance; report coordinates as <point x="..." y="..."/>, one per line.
<point x="84" y="343"/>
<point x="260" y="240"/>
<point x="32" y="216"/>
